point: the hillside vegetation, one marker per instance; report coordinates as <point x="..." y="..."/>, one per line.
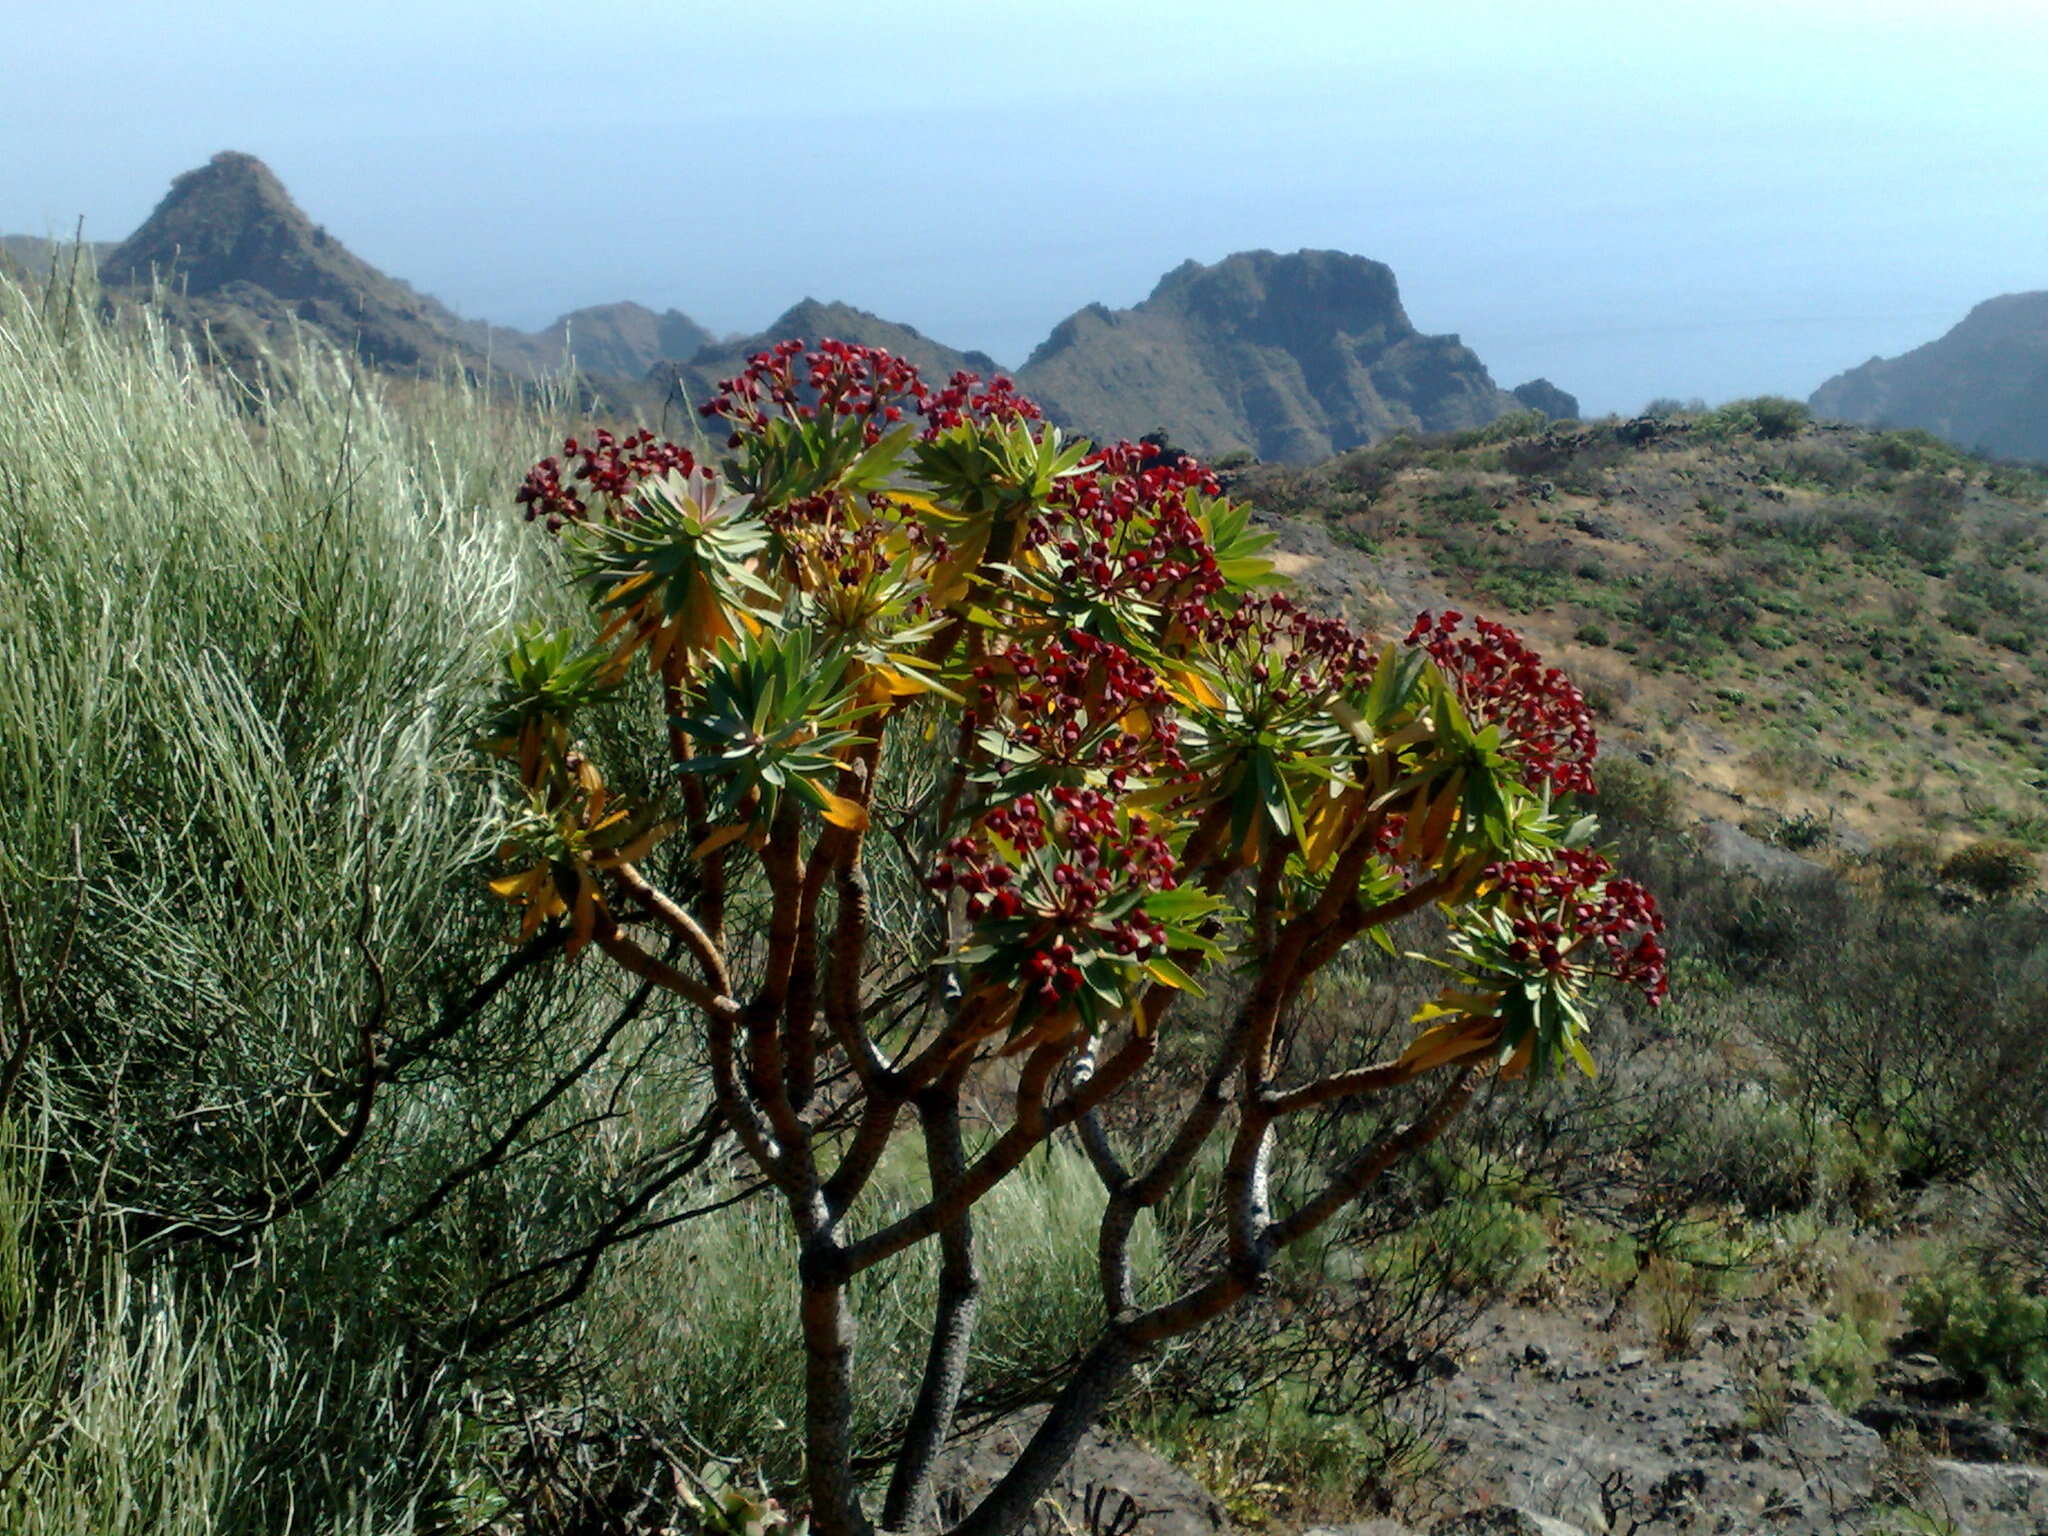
<point x="1824" y="633"/>
<point x="323" y="1209"/>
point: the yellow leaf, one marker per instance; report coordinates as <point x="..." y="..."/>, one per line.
<point x="842" y="812"/>
<point x="1248" y="853"/>
<point x="1441" y="818"/>
<point x="512" y="887"/>
<point x="665" y="638"/>
<point x="626" y="589"/>
<point x="1155" y="794"/>
<point x="636" y="850"/>
<point x="911" y="501"/>
<point x="1450" y="1042"/>
<point x="717" y="840"/>
<point x="546" y="903"/>
<point x="1470" y="1002"/>
<point x="1191" y="687"/>
<point x="1327" y="824"/>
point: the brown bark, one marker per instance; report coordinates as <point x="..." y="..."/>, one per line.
<point x="908" y="1502"/>
<point x="828" y="1394"/>
<point x="1100" y="1376"/>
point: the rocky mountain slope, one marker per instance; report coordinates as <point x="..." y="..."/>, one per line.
<point x="607" y="341"/>
<point x="1289" y="357"/>
<point x="1984" y="385"/>
<point x="232" y="252"/>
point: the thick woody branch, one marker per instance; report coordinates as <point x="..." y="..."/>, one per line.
<point x="1355" y="918"/>
<point x="1356" y="1083"/>
<point x="721" y="1014"/>
<point x="1231" y="1284"/>
<point x="1350" y="1181"/>
<point x="761" y="1018"/>
<point x="696" y="803"/>
<point x="836" y="852"/>
<point x="845" y="963"/>
<point x="1034" y="1124"/>
<point x="630" y="957"/>
<point x="1250" y="1211"/>
<point x="952" y="1334"/>
<point x="1109" y="1168"/>
<point x="710" y="960"/>
<point x="864" y="1153"/>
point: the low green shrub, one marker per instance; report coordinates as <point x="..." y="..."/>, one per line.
<point x="1844" y="1349"/>
<point x="1767" y="416"/>
<point x="1740" y="1145"/>
<point x="1275" y="1455"/>
<point x="1994" y="867"/>
<point x="1988" y="1330"/>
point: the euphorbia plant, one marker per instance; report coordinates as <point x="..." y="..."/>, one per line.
<point x="1049" y="696"/>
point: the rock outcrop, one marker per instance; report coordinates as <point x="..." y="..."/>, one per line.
<point x="1542" y="395"/>
<point x="619" y="341"/>
<point x="1289" y="357"/>
<point x="1983" y="386"/>
<point x="229" y="252"/>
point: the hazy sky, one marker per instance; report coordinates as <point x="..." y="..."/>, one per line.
<point x="1677" y="197"/>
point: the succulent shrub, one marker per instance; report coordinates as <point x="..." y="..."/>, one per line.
<point x="988" y="754"/>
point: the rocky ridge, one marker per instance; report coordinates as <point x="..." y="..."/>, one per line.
<point x="1983" y="385"/>
<point x="1289" y="357"/>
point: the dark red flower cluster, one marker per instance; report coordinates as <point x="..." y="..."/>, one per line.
<point x="1502" y="682"/>
<point x="837" y="378"/>
<point x="605" y="469"/>
<point x="852" y="554"/>
<point x="1071" y="700"/>
<point x="1557" y="907"/>
<point x="1387" y="837"/>
<point x="1072" y="860"/>
<point x="1123" y="528"/>
<point x="1296" y="654"/>
<point x="840" y="378"/>
<point x="967" y="398"/>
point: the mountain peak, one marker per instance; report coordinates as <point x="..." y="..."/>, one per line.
<point x="227" y="241"/>
<point x="230" y="220"/>
<point x="1291" y="356"/>
<point x="1256" y="291"/>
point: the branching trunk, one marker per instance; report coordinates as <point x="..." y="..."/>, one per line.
<point x="828" y="1394"/>
<point x="959" y="1300"/>
<point x="1094" y="1385"/>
